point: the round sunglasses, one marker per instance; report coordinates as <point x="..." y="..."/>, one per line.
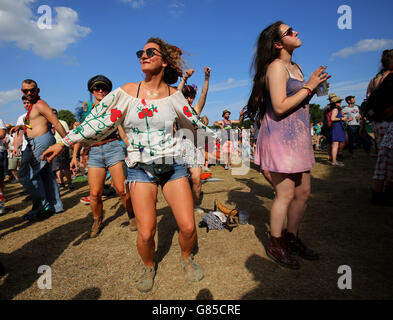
<point x="149" y="52"/>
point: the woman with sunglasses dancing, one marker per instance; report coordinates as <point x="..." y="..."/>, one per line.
<point x="280" y="96"/>
<point x="107" y="154"/>
<point x="148" y="111"/>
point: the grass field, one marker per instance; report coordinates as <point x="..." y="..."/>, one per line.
<point x="340" y="224"/>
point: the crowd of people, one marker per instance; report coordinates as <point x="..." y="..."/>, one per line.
<point x="125" y="132"/>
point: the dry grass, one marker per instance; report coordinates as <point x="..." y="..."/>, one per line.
<point x="340" y="224"/>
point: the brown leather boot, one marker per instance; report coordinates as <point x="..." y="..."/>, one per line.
<point x="296" y="246"/>
<point x="96" y="227"/>
<point x="279" y="252"/>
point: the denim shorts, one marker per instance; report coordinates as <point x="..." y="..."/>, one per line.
<point x="136" y="174"/>
<point x="106" y="155"/>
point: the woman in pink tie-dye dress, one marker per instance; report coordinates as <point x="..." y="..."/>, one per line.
<point x="280" y="97"/>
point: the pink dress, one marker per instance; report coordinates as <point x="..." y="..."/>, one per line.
<point x="284" y="143"/>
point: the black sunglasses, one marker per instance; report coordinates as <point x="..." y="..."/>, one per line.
<point x="99" y="87"/>
<point x="149" y="52"/>
<point x="289" y="32"/>
<point x="33" y="90"/>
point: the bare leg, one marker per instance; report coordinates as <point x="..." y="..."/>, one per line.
<point x="143" y="199"/>
<point x="285" y="192"/>
<point x="96" y="177"/>
<point x="334" y="151"/>
<point x="196" y="183"/>
<point x="118" y="179"/>
<point x="299" y="203"/>
<point x="179" y="197"/>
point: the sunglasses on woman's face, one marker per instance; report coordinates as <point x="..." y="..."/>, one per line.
<point x="26" y="91"/>
<point x="289" y="32"/>
<point x="149" y="52"/>
<point x="100" y="87"/>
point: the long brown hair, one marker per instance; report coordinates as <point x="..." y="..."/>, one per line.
<point x="265" y="54"/>
<point x="172" y="55"/>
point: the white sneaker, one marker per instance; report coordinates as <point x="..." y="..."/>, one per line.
<point x="338" y="163"/>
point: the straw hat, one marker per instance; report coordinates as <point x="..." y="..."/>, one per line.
<point x="333" y="98"/>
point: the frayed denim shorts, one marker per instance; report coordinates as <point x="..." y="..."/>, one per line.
<point x="136" y="174"/>
<point x="106" y="155"/>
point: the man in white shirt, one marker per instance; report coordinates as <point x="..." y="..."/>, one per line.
<point x="351" y="111"/>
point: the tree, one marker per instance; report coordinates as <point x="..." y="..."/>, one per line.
<point x="67" y="116"/>
<point x="316" y="113"/>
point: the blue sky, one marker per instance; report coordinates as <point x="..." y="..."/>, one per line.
<point x="101" y="37"/>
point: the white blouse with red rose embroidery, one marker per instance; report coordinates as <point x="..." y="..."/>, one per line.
<point x="148" y="125"/>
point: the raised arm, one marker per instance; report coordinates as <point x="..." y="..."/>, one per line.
<point x="240" y="117"/>
<point x="188" y="73"/>
<point x="202" y="99"/>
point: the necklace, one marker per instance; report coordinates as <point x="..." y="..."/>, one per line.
<point x="151" y="94"/>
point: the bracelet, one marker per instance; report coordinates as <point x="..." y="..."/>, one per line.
<point x="308" y="90"/>
<point x="61" y="143"/>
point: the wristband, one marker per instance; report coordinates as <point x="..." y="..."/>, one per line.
<point x="61" y="143"/>
<point x="308" y="90"/>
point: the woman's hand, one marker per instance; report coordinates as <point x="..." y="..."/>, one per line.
<point x="52" y="152"/>
<point x="188" y="73"/>
<point x="207" y="72"/>
<point x="74" y="164"/>
<point x="317" y="77"/>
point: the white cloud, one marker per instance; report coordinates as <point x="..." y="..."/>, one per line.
<point x="365" y="45"/>
<point x="229" y="84"/>
<point x="176" y="4"/>
<point x="19" y="25"/>
<point x="176" y="9"/>
<point x="8" y="96"/>
<point x="135" y="3"/>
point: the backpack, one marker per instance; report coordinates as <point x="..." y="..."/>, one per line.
<point x="379" y="101"/>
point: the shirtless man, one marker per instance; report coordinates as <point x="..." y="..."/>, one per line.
<point x="36" y="175"/>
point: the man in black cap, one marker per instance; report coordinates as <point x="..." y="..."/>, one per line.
<point x="351" y="111"/>
<point x="105" y="155"/>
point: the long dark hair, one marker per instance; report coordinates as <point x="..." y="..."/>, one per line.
<point x="265" y="54"/>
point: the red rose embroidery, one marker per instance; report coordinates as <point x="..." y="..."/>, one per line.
<point x="187" y="111"/>
<point x="145" y="113"/>
<point x="143" y="102"/>
<point x="115" y="114"/>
